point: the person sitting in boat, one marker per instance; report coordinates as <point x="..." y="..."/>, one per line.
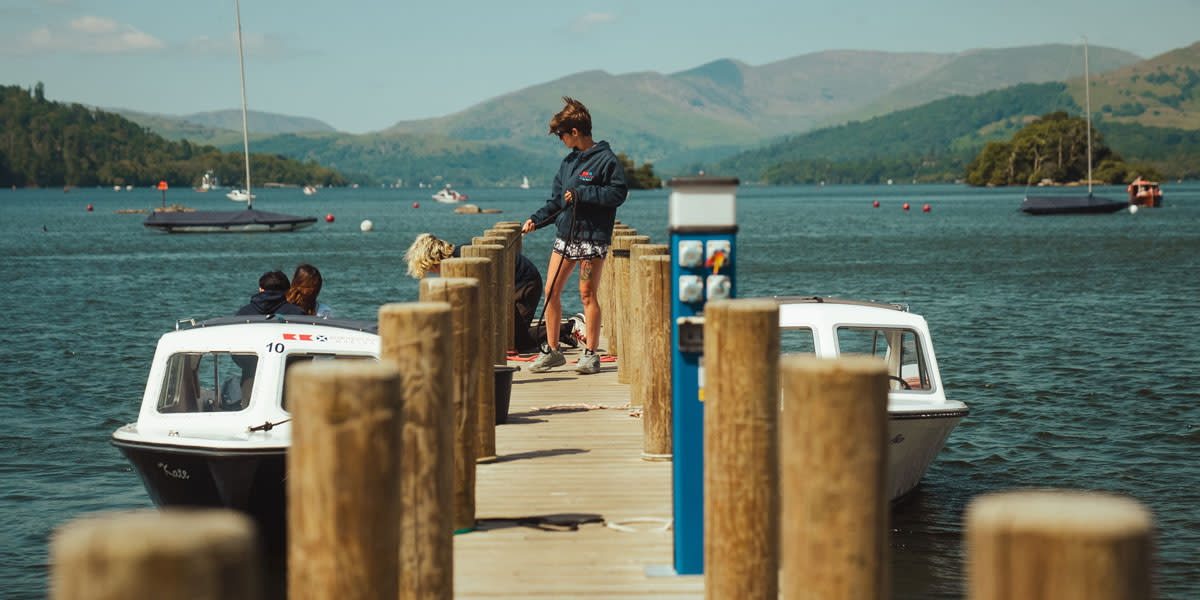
<point x="271" y="298"/>
<point x="426" y="254"/>
<point x="306" y="284"/>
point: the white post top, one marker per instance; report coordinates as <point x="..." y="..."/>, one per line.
<point x="702" y="203"/>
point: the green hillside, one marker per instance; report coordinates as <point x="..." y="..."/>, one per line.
<point x="1161" y="92"/>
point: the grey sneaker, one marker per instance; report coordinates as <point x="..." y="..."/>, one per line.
<point x="588" y="363"/>
<point x="546" y="361"/>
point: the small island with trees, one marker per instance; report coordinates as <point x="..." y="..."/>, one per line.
<point x="1052" y="150"/>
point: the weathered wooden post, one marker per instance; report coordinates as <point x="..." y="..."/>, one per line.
<point x="619" y="296"/>
<point x="606" y="291"/>
<point x="741" y="483"/>
<point x="493" y="303"/>
<point x="655" y="275"/>
<point x="485" y="402"/>
<point x="343" y="474"/>
<point x="1060" y="545"/>
<point x="833" y="476"/>
<point x="202" y="554"/>
<point x="513" y="226"/>
<point x="418" y="337"/>
<point x="462" y="294"/>
<point x="635" y="323"/>
<point x="510" y="237"/>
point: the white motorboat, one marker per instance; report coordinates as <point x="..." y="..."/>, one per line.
<point x="309" y="190"/>
<point x="214" y="428"/>
<point x="920" y="417"/>
<point x="449" y="196"/>
<point x="240" y="195"/>
<point x="524" y="182"/>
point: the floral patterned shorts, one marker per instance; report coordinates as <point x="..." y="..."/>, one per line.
<point x="580" y="249"/>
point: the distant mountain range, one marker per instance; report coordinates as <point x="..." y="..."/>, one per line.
<point x="703" y="115"/>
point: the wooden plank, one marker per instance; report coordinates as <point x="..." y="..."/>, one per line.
<point x="570" y="454"/>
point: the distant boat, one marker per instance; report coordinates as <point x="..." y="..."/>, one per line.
<point x="1076" y="205"/>
<point x="230" y="221"/>
<point x="207" y="182"/>
<point x="309" y="190"/>
<point x="524" y="182"/>
<point x="1145" y="193"/>
<point x="449" y="196"/>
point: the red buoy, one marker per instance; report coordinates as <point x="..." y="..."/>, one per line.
<point x="905" y="206"/>
<point x="89" y="208"/>
<point x="416" y="205"/>
<point x="925" y="208"/>
<point x="329" y="218"/>
<point x="875" y="204"/>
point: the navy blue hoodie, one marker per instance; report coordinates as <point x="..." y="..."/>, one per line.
<point x="270" y="302"/>
<point x="597" y="183"/>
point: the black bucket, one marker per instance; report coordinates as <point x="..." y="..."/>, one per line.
<point x="504" y="377"/>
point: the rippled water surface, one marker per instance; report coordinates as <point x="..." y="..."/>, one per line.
<point x="1072" y="339"/>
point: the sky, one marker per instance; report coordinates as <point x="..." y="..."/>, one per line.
<point x="364" y="65"/>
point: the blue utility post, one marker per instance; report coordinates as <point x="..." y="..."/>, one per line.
<point x="703" y="227"/>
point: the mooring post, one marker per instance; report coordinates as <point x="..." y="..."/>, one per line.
<point x="506" y="238"/>
<point x="741" y="451"/>
<point x="203" y="554"/>
<point x="418" y="338"/>
<point x="635" y="358"/>
<point x="346" y="435"/>
<point x="619" y="298"/>
<point x="655" y="386"/>
<point x="833" y="477"/>
<point x="492" y="297"/>
<point x="480" y="269"/>
<point x="462" y="294"/>
<point x="1060" y="545"/>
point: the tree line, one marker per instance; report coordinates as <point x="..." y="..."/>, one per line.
<point x="50" y="144"/>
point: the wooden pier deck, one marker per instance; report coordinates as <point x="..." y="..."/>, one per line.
<point x="561" y="463"/>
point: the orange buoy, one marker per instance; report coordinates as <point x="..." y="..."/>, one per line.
<point x="925" y="208"/>
<point x="905" y="206"/>
<point x="416" y="205"/>
<point x="329" y="218"/>
<point x="875" y="204"/>
<point x="89" y="208"/>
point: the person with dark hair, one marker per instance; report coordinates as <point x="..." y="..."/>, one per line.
<point x="306" y="284"/>
<point x="271" y="298"/>
<point x="583" y="202"/>
<point x="426" y="254"/>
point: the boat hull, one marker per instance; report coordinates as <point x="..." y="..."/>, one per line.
<point x="1070" y="205"/>
<point x="252" y="481"/>
<point x="914" y="441"/>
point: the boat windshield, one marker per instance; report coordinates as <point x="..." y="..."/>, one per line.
<point x="899" y="348"/>
<point x="797" y="340"/>
<point x="302" y="358"/>
<point x="207" y="382"/>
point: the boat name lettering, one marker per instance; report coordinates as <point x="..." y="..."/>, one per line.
<point x="176" y="473"/>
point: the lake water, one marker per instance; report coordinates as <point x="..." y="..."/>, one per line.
<point x="1072" y="339"/>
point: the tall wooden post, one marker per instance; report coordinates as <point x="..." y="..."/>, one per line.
<point x="606" y="291"/>
<point x="485" y="402"/>
<point x="635" y="356"/>
<point x="493" y="303"/>
<point x="511" y="226"/>
<point x="741" y="492"/>
<point x="202" y="554"/>
<point x="509" y="239"/>
<point x="654" y="272"/>
<point x="418" y="337"/>
<point x="1057" y="544"/>
<point x="462" y="294"/>
<point x="833" y="476"/>
<point x="346" y="435"/>
<point x="618" y="296"/>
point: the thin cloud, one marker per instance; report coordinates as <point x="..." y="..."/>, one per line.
<point x="589" y="22"/>
<point x="84" y="35"/>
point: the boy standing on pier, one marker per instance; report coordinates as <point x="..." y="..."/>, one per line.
<point x="583" y="202"/>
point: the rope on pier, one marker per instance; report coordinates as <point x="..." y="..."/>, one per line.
<point x="624" y="525"/>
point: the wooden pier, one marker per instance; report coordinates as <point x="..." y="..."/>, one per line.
<point x="570" y="509"/>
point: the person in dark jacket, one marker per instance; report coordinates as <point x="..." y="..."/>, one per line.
<point x="426" y="254"/>
<point x="271" y="298"/>
<point x="583" y="202"/>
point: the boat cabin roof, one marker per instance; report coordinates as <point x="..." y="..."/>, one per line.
<point x="364" y="326"/>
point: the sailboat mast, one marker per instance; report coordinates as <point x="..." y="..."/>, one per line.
<point x="245" y="136"/>
<point x="1087" y="101"/>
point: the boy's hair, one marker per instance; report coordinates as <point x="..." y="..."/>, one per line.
<point x="425" y="252"/>
<point x="573" y="116"/>
<point x="274" y="281"/>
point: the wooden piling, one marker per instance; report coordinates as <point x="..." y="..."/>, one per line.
<point x="635" y="356"/>
<point x="618" y="295"/>
<point x="513" y="225"/>
<point x="741" y="496"/>
<point x="510" y="237"/>
<point x="655" y="379"/>
<point x="480" y="269"/>
<point x="346" y="436"/>
<point x="418" y="337"/>
<point x="492" y="301"/>
<point x="606" y="290"/>
<point x="833" y="476"/>
<point x="202" y="554"/>
<point x="462" y="294"/>
<point x="1058" y="544"/>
